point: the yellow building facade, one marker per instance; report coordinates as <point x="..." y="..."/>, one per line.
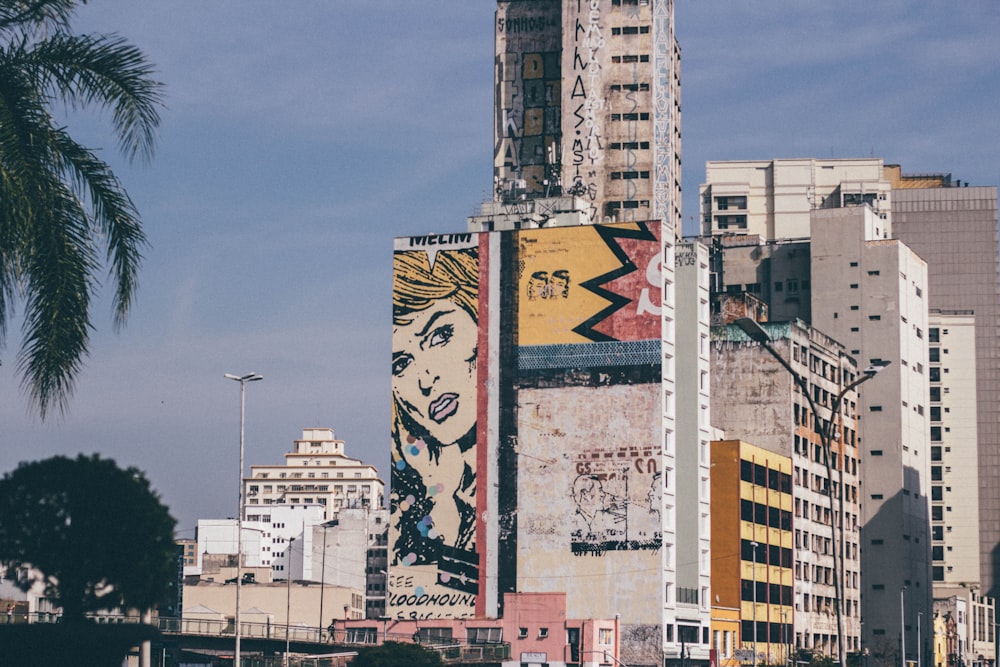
<point x="752" y="545"/>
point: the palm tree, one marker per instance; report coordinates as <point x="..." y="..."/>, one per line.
<point x="64" y="216"/>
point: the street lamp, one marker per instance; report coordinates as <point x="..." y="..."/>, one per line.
<point x="242" y="379"/>
<point x="902" y="627"/>
<point x="322" y="577"/>
<point x="756" y="333"/>
<point x="288" y="602"/>
<point x="606" y="655"/>
<point x="919" y="647"/>
<point x="753" y="581"/>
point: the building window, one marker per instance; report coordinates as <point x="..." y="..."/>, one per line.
<point x="484" y="635"/>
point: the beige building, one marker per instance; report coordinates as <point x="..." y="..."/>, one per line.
<point x="773" y="199"/>
<point x="268" y="605"/>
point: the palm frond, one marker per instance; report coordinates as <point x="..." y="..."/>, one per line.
<point x="113" y="214"/>
<point x="106" y="71"/>
<point x="61" y="206"/>
<point x="60" y="263"/>
<point x="31" y="16"/>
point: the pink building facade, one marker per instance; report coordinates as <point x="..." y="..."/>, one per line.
<point x="534" y="627"/>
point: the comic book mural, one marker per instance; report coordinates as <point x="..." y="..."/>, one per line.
<point x="590" y="472"/>
<point x="433" y="551"/>
<point x="526" y="412"/>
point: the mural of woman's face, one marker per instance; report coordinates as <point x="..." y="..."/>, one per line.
<point x="434" y="370"/>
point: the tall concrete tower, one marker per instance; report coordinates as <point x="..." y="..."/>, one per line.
<point x="588" y="103"/>
<point x="955" y="230"/>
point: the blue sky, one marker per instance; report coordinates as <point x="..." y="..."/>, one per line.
<point x="300" y="138"/>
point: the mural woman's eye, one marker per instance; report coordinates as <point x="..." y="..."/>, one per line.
<point x="441" y="335"/>
<point x="400" y="362"/>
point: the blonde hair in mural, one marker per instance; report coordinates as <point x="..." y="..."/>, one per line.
<point x="434" y="408"/>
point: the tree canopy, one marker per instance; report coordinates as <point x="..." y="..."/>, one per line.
<point x="63" y="213"/>
<point x="396" y="654"/>
<point x="93" y="534"/>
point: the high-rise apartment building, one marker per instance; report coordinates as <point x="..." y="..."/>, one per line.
<point x="761" y="402"/>
<point x="588" y="103"/>
<point x="955" y="230"/>
<point x="819" y="233"/>
<point x="870" y="294"/>
<point x="951" y="368"/>
<point x="949" y="224"/>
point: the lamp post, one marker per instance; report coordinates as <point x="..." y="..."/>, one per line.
<point x="756" y="333"/>
<point x="242" y="379"/>
<point x="753" y="581"/>
<point x="919" y="647"/>
<point x="606" y="655"/>
<point x="322" y="583"/>
<point x="902" y="628"/>
<point x="288" y="602"/>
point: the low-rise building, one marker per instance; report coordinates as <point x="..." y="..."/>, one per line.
<point x="534" y="626"/>
<point x="752" y="543"/>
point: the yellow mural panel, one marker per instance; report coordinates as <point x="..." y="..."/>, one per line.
<point x="589" y="283"/>
<point x="551" y="300"/>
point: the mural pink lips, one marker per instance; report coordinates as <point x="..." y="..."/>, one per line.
<point x="443" y="407"/>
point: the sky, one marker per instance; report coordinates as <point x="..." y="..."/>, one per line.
<point x="298" y="139"/>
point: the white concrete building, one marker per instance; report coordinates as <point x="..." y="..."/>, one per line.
<point x="954" y="449"/>
<point x="315" y="472"/>
<point x="348" y="551"/>
<point x="869" y="293"/>
<point x="774" y="198"/>
<point x="692" y="549"/>
<point x="265" y="538"/>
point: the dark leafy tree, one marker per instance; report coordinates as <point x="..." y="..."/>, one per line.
<point x="396" y="654"/>
<point x="63" y="213"/>
<point x="95" y="535"/>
